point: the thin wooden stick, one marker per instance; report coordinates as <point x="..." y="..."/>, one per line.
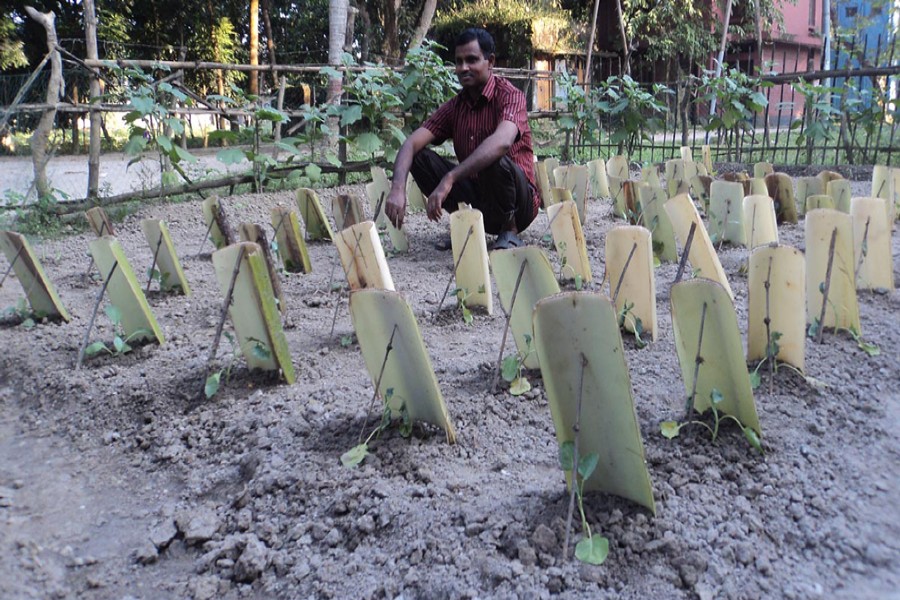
<point x="770" y="357"/>
<point x="12" y="264"/>
<point x="863" y="251"/>
<point x="222" y="316"/>
<point x="205" y="237"/>
<point x="827" y="286"/>
<point x="752" y="227"/>
<point x="684" y="257"/>
<point x="574" y="477"/>
<point x="387" y="352"/>
<point x="153" y="265"/>
<point x="453" y="274"/>
<point x="87" y="333"/>
<point x="622" y="274"/>
<point x="512" y="305"/>
<point x="689" y="406"/>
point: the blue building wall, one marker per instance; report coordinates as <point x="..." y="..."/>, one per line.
<point x="870" y="23"/>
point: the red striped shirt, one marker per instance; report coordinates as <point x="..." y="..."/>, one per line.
<point x="468" y="123"/>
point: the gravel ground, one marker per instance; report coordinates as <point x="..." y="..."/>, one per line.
<point x="115" y="483"/>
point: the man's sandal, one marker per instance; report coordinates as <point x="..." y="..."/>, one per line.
<point x="507" y="240"/>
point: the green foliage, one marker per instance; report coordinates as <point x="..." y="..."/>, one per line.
<point x="22" y="313"/>
<point x="637" y="323"/>
<point x="355" y="455"/>
<point x="671" y="429"/>
<point x="632" y="113"/>
<point x="120" y="341"/>
<point x="39" y="217"/>
<point x="426" y="83"/>
<point x="12" y="50"/>
<point x="590" y="549"/>
<point x="462" y="294"/>
<point x="214" y="380"/>
<point x="738" y="98"/>
<point x="512" y="369"/>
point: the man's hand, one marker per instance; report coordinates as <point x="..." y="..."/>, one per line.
<point x="395" y="207"/>
<point x="435" y="203"/>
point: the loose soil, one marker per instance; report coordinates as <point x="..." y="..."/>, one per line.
<point x="115" y="482"/>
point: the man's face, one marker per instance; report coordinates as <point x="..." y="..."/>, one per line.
<point x="473" y="69"/>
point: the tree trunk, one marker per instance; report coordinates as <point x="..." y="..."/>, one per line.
<point x="588" y="75"/>
<point x="254" y="45"/>
<point x="424" y="23"/>
<point x="55" y="90"/>
<point x="337" y="33"/>
<point x="626" y="50"/>
<point x="96" y="90"/>
<point x="391" y="46"/>
<point x="270" y="40"/>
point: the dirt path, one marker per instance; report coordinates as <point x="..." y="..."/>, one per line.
<point x="244" y="496"/>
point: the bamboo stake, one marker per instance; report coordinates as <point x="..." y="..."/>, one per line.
<point x="770" y="357"/>
<point x="12" y="264"/>
<point x="622" y="274"/>
<point x="205" y="237"/>
<point x="827" y="286"/>
<point x="574" y="481"/>
<point x="684" y="255"/>
<point x="689" y="406"/>
<point x="863" y="251"/>
<point x="453" y="274"/>
<point x="153" y="265"/>
<point x="387" y="352"/>
<point x="222" y="316"/>
<point x="512" y="305"/>
<point x="87" y="333"/>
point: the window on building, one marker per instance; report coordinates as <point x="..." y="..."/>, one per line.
<point x="851" y="11"/>
<point x="875" y="11"/>
<point x="812" y="12"/>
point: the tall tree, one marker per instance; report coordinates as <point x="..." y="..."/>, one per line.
<point x="254" y="45"/>
<point x="337" y="34"/>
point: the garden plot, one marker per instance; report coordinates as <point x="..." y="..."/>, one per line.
<point x="244" y="495"/>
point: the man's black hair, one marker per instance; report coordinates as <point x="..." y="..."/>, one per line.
<point x="485" y="41"/>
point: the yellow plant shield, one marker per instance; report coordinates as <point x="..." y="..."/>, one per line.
<point x="875" y="268"/>
<point x="472" y="272"/>
<point x="761" y="169"/>
<point x="679" y="174"/>
<point x="758" y="187"/>
<point x="569" y="239"/>
<point x="781" y="191"/>
<point x="575" y="179"/>
<point x="687" y="154"/>
<point x="723" y="366"/>
<point x="617" y="166"/>
<point x="615" y="190"/>
<point x="886" y="184"/>
<point x="707" y="160"/>
<point x="701" y="186"/>
<point x="408" y="377"/>
<point x="209" y="208"/>
<point x="638" y="289"/>
<point x="761" y="228"/>
<point x="362" y="257"/>
<point x="702" y="255"/>
<point x="156" y="232"/>
<point x="537" y="283"/>
<point x="650" y="176"/>
<point x="415" y="199"/>
<point x="125" y="292"/>
<point x="559" y="194"/>
<point x="99" y="222"/>
<point x="784" y="268"/>
<point x="599" y="181"/>
<point x="842" y="310"/>
<point x="543" y="180"/>
<point x="839" y="190"/>
<point x="379" y="178"/>
<point x="806" y="187"/>
<point x="377" y="192"/>
<point x="291" y="247"/>
<point x="253" y="312"/>
<point x="726" y="212"/>
<point x="317" y="226"/>
<point x="582" y="359"/>
<point x="347" y="210"/>
<point x="39" y="290"/>
<point x="652" y="200"/>
<point x="819" y="201"/>
<point x="550" y="164"/>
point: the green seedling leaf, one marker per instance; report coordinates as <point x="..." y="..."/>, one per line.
<point x="212" y="384"/>
<point x="519" y="386"/>
<point x="346" y="340"/>
<point x="813" y="330"/>
<point x="869" y="348"/>
<point x="566" y="455"/>
<point x="120" y="345"/>
<point x="467" y="315"/>
<point x="352" y="457"/>
<point x="405" y="422"/>
<point x="670" y="429"/>
<point x="260" y="351"/>
<point x="753" y="438"/>
<point x="716" y="396"/>
<point x="28" y="323"/>
<point x="587" y="464"/>
<point x="509" y="369"/>
<point x="95" y="349"/>
<point x="592" y="550"/>
<point x="113" y="314"/>
<point x="755" y="379"/>
<point x="578" y="282"/>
